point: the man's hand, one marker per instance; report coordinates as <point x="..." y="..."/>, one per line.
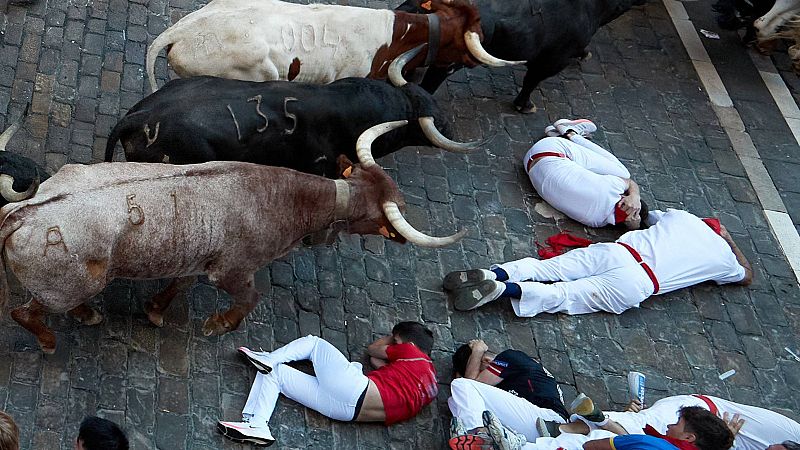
<point x="734" y="423"/>
<point x="634" y="406"/>
<point x="478" y="346"/>
<point x="631" y="204"/>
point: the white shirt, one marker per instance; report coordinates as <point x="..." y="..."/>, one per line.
<point x="761" y="428"/>
<point x="581" y="194"/>
<point x="683" y="251"/>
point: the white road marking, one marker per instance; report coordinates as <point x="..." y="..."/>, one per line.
<point x="774" y="209"/>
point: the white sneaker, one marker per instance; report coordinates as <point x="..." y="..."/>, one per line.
<point x="504" y="438"/>
<point x="584" y="127"/>
<point x="247" y="433"/>
<point x="258" y="359"/>
<point x="472" y="297"/>
<point x="551" y="131"/>
<point x="636" y="386"/>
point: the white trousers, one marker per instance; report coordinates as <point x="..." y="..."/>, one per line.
<point x="601" y="277"/>
<point x="333" y="393"/>
<point x="761" y="428"/>
<point x="471" y="398"/>
<point x="582" y="152"/>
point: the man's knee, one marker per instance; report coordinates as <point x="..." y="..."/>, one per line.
<point x="462" y="385"/>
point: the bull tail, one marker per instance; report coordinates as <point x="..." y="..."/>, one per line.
<point x="162" y="40"/>
<point x="125" y="126"/>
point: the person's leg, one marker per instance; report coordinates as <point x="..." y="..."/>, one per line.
<point x="597" y="159"/>
<point x="261" y="400"/>
<point x="615" y="290"/>
<point x="470" y="398"/>
<point x="336" y="402"/>
<point x="573" y="265"/>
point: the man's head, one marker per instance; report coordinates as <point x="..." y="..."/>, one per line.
<point x="100" y="434"/>
<point x="702" y="428"/>
<point x="785" y="445"/>
<point x="9" y="433"/>
<point x="415" y="333"/>
<point x="461" y="357"/>
<point x="638" y="221"/>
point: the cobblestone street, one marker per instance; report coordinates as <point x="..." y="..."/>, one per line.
<point x="81" y="65"/>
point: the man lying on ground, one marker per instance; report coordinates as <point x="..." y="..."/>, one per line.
<point x="402" y="384"/>
<point x="583" y="180"/>
<point x="755" y="428"/>
<point x="678" y="250"/>
<point x="511" y="384"/>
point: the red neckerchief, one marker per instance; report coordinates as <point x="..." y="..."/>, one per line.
<point x="714" y="224"/>
<point x="559" y="243"/>
<point x="680" y="443"/>
<point x="619" y="215"/>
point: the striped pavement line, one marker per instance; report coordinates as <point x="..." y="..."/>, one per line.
<point x="774" y="209"/>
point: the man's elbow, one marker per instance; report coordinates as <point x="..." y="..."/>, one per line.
<point x="748" y="278"/>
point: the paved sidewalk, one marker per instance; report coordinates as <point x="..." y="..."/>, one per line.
<point x="81" y="62"/>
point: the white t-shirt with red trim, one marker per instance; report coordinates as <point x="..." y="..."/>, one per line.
<point x="682" y="251"/>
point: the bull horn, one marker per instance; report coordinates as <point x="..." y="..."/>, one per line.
<point x="399" y="63"/>
<point x="476" y="49"/>
<point x="6" y="136"/>
<point x="411" y="234"/>
<point x="364" y="143"/>
<point x="439" y="140"/>
<point x="8" y="192"/>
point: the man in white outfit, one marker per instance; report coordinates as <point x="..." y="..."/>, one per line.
<point x="583" y="180"/>
<point x="755" y="428"/>
<point x="676" y="251"/>
<point x="403" y="383"/>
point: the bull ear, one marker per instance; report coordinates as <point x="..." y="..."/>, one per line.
<point x="345" y="166"/>
<point x="426" y="5"/>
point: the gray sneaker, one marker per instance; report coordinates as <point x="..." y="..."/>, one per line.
<point x="585" y="407"/>
<point x="547" y="428"/>
<point x="504" y="438"/>
<point x="476" y="296"/>
<point x="457" y="427"/>
<point x="464" y="278"/>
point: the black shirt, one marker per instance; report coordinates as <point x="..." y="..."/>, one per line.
<point x="525" y="377"/>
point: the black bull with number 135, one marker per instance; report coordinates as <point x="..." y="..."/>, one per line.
<point x="277" y="123"/>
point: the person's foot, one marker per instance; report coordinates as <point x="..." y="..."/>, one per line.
<point x="257" y="359"/>
<point x="465" y="278"/>
<point x="457" y="427"/>
<point x="504" y="438"/>
<point x="584" y="127"/>
<point x="479" y="441"/>
<point x="247" y="433"/>
<point x="585" y="407"/>
<point x="476" y="296"/>
<point x="551" y="131"/>
<point x="547" y="428"/>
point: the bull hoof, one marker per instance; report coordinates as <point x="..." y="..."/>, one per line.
<point x="95" y="319"/>
<point x="47" y="343"/>
<point x="216" y="325"/>
<point x="527" y="109"/>
<point x="155" y="317"/>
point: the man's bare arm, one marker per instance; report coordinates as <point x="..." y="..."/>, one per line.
<point x="378" y="348"/>
<point x="748" y="271"/>
<point x="478" y="348"/>
<point x="598" y="444"/>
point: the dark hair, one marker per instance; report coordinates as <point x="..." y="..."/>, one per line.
<point x="460" y="359"/>
<point x="710" y="431"/>
<point x="417" y="333"/>
<point x="102" y="434"/>
<point x="791" y="445"/>
<point x="9" y="432"/>
<point x="644" y="222"/>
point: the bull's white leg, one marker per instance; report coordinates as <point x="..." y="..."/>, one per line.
<point x="160" y="302"/>
<point x="31" y="317"/>
<point x="245" y="298"/>
<point x="86" y="315"/>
